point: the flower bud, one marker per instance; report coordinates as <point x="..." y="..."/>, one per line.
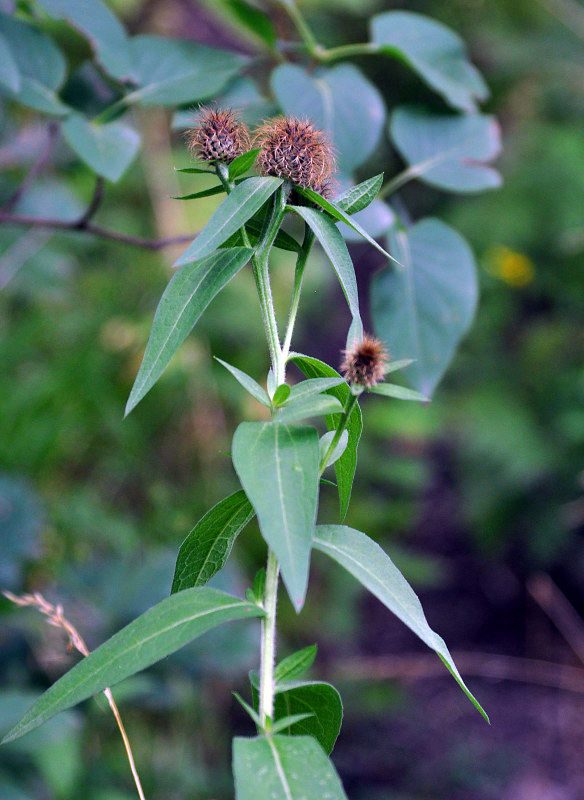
<point x="218" y="136"/>
<point x="297" y="151"/>
<point x="365" y="362"/>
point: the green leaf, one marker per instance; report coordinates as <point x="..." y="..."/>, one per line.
<point x="295" y="664"/>
<point x="359" y="197"/>
<point x="248" y="383"/>
<point x="334" y="246"/>
<point x="185" y="298"/>
<point x="399" y="392"/>
<point x="325" y="443"/>
<point x="254" y="20"/>
<point x="174" y="72"/>
<point x="38" y="61"/>
<point x="312" y="386"/>
<point x="283" y="768"/>
<point x="424" y="309"/>
<point x="208" y="546"/>
<point x="321" y="701"/>
<point x="103" y="30"/>
<point x="237" y="208"/>
<point x="195" y="170"/>
<point x="394" y="366"/>
<point x="340" y="101"/>
<point x="367" y="562"/>
<point x="278" y="469"/>
<point x="435" y="52"/>
<point x="448" y="151"/>
<point x="281" y="394"/>
<point x="347" y="463"/>
<point x="315" y="406"/>
<point x="157" y="633"/>
<point x="340" y="215"/>
<point x="242" y="163"/>
<point x="283" y="240"/>
<point x="108" y="149"/>
<point x="252" y="712"/>
<point x="9" y="72"/>
<point x="259" y="585"/>
<point x="287" y="722"/>
<point x="203" y="193"/>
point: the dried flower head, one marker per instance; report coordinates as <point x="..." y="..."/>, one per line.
<point x="296" y="150"/>
<point x="218" y="136"/>
<point x="365" y="362"/>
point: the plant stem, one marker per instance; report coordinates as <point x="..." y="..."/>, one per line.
<point x="346" y="51"/>
<point x="313" y="47"/>
<point x="349" y="405"/>
<point x="298" y="275"/>
<point x="268" y="656"/>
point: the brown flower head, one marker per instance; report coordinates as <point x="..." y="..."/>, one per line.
<point x="365" y="362"/>
<point x="294" y="149"/>
<point x="218" y="136"/>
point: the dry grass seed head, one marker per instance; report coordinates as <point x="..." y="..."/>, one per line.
<point x="296" y="150"/>
<point x="365" y="362"/>
<point x="218" y="136"/>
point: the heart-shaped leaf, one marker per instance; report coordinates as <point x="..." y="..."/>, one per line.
<point x="340" y="101"/>
<point x="108" y="149"/>
<point x="448" y="151"/>
<point x="434" y="51"/>
<point x="423" y="309"/>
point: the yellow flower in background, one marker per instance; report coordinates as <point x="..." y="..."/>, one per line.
<point x="516" y="269"/>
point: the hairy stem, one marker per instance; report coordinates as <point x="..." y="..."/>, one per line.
<point x="268" y="655"/>
<point x="298" y="275"/>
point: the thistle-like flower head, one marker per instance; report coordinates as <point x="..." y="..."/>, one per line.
<point x="296" y="150"/>
<point x="365" y="362"/>
<point x="218" y="136"/>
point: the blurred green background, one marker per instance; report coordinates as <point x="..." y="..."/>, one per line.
<point x="479" y="497"/>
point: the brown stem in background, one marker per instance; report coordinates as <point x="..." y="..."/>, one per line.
<point x="559" y="609"/>
<point x="56" y="618"/>
<point x="50" y="223"/>
<point x="35" y="169"/>
<point x="484" y="665"/>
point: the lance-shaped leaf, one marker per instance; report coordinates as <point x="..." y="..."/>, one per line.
<point x="248" y="383"/>
<point x="313" y="406"/>
<point x="284" y="768"/>
<point x="334" y="246"/>
<point x="108" y="149"/>
<point x="399" y="392"/>
<point x="294" y="665"/>
<point x="449" y="151"/>
<point x="423" y="309"/>
<point x="278" y="468"/>
<point x="434" y="51"/>
<point x="340" y="101"/>
<point x="237" y="208"/>
<point x="208" y="545"/>
<point x="326" y="441"/>
<point x="185" y="298"/>
<point x="161" y="630"/>
<point x="372" y="567"/>
<point x="345" y="466"/>
<point x="342" y="216"/>
<point x="242" y="163"/>
<point x="173" y="72"/>
<point x="103" y="30"/>
<point x="311" y="387"/>
<point x="359" y="197"/>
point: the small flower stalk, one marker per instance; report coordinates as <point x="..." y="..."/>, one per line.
<point x="298" y="151"/>
<point x="218" y="137"/>
<point x="365" y="362"/>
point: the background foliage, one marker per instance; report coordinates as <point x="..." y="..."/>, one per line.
<point x="478" y="497"/>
